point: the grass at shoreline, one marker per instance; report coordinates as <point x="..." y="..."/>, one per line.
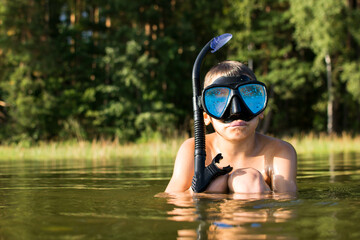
<point x="309" y="144"/>
<point x="95" y="150"/>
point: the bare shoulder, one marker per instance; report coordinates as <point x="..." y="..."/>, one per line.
<point x="183" y="168"/>
<point x="277" y="147"/>
<point x="186" y="152"/>
<point x="188" y="144"/>
<point x="284" y="164"/>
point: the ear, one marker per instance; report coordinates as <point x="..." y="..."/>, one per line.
<point x="261" y="116"/>
<point x="207" y="118"/>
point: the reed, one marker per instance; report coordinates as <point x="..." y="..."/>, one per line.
<point x="319" y="144"/>
<point x="305" y="144"/>
<point x="84" y="150"/>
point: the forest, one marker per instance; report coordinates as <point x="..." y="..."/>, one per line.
<point x="86" y="69"/>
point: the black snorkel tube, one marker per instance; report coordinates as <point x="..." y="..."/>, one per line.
<point x="203" y="176"/>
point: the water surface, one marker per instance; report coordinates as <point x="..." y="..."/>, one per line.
<point x="116" y="200"/>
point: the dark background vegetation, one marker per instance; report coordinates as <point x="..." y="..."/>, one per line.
<point x="120" y="69"/>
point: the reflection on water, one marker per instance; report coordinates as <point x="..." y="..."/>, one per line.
<point x="230" y="216"/>
<point x="326" y="207"/>
<point x="115" y="200"/>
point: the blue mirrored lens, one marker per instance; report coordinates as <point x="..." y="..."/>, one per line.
<point x="216" y="100"/>
<point x="254" y="96"/>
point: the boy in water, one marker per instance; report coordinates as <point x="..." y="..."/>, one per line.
<point x="260" y="163"/>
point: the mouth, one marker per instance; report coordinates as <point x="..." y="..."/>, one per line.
<point x="235" y="121"/>
<point x="238" y="123"/>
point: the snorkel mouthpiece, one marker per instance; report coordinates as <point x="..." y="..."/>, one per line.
<point x="203" y="176"/>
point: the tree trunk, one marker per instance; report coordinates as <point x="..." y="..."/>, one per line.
<point x="330" y="104"/>
<point x="250" y="60"/>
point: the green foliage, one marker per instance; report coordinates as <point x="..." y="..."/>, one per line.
<point x="264" y="39"/>
<point x="122" y="69"/>
<point x="351" y="76"/>
<point x="319" y="24"/>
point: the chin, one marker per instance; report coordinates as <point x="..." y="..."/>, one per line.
<point x="238" y="134"/>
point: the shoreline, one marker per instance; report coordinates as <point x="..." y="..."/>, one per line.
<point x="305" y="145"/>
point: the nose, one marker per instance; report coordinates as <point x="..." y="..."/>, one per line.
<point x="235" y="106"/>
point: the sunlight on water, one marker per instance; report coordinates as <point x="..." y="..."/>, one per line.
<point x="123" y="199"/>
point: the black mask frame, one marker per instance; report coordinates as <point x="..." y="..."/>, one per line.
<point x="235" y="99"/>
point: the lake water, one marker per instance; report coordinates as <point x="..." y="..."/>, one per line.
<point x="116" y="200"/>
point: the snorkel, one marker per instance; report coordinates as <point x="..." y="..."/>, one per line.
<point x="203" y="176"/>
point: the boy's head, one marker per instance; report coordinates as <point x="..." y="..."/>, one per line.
<point x="231" y="92"/>
<point x="228" y="69"/>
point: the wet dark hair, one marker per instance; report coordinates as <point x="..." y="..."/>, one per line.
<point x="228" y="69"/>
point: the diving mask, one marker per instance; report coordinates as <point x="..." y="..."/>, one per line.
<point x="234" y="98"/>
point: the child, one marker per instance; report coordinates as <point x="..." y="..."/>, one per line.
<point x="260" y="163"/>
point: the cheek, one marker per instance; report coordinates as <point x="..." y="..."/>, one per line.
<point x="254" y="122"/>
<point x="218" y="126"/>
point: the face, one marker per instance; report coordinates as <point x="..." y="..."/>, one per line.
<point x="233" y="129"/>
